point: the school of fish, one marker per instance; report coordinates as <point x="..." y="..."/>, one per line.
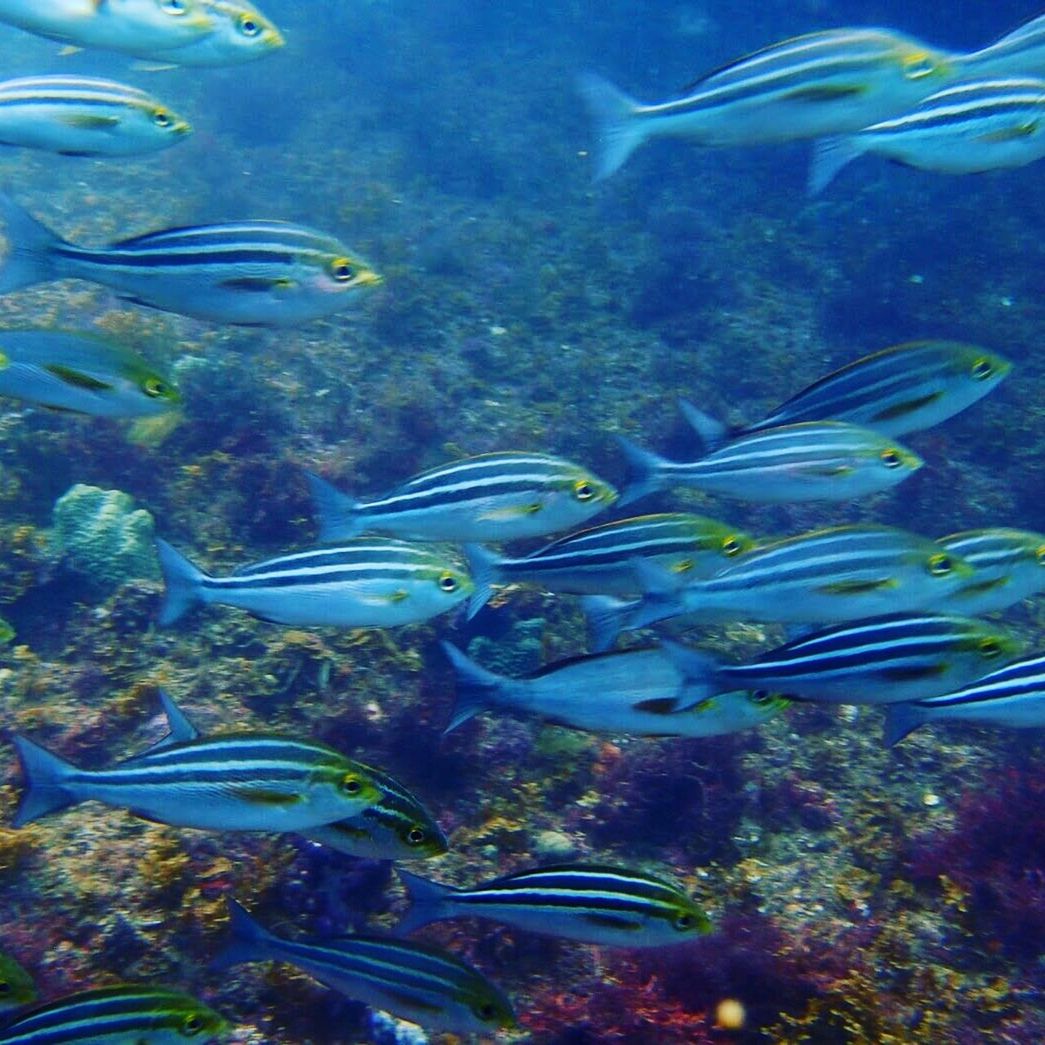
<point x="881" y="616"/>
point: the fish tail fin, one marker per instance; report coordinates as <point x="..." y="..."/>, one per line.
<point x="830" y="155"/>
<point x="482" y="565"/>
<point x="699" y="673"/>
<point x="29" y="252"/>
<point x="337" y="513"/>
<point x="645" y="467"/>
<point x="619" y="130"/>
<point x="901" y="719"/>
<point x="427" y="902"/>
<point x="476" y="687"/>
<point x="713" y="433"/>
<point x="606" y="618"/>
<point x="248" y="941"/>
<point x="183" y="581"/>
<point x="45" y="776"/>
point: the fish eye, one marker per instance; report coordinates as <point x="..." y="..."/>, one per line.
<point x="350" y="784"/>
<point x="1040" y="554"/>
<point x="990" y="647"/>
<point x="154" y="388"/>
<point x="248" y="25"/>
<point x="341" y="269"/>
<point x="730" y="546"/>
<point x="485" y="1010"/>
<point x="5" y="987"/>
<point x="583" y="490"/>
<point x="415" y="836"/>
<point x="940" y="565"/>
<point x="161" y="118"/>
<point x="448" y="582"/>
<point x="761" y="697"/>
<point x="982" y="369"/>
<point x="173" y="7"/>
<point x="683" y="922"/>
<point x="192" y="1024"/>
<point x="918" y="65"/>
<point x="891" y="458"/>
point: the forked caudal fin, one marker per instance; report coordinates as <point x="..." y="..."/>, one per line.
<point x="29" y="248"/>
<point x="184" y="584"/>
<point x="619" y="130"/>
<point x="44" y="776"/>
<point x="476" y="687"/>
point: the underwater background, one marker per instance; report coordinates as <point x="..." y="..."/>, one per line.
<point x="859" y="894"/>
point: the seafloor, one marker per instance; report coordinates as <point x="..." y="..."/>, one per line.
<point x="859" y="894"/>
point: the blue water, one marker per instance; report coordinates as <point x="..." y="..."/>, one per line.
<point x="525" y="307"/>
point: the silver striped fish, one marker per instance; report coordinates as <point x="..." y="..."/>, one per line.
<point x="592" y="903"/>
<point x="254" y="273"/>
<point x="1009" y="565"/>
<point x="877" y="660"/>
<point x="115" y="25"/>
<point x="805" y="87"/>
<point x="396" y="827"/>
<point x="982" y="125"/>
<point x="489" y="497"/>
<point x="116" y="1016"/>
<point x="235" y="782"/>
<point x="366" y="583"/>
<point x="811" y="461"/>
<point x="602" y="560"/>
<point x="82" y="373"/>
<point x="85" y="116"/>
<point x="838" y="574"/>
<point x="905" y="388"/>
<point x="422" y="984"/>
<point x="637" y="692"/>
<point x="1012" y="697"/>
<point x="240" y="33"/>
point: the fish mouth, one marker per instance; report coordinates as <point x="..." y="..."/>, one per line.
<point x="368" y="279"/>
<point x="275" y="40"/>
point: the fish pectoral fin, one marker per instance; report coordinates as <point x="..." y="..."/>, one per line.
<point x="826" y="92"/>
<point x="514" y="512"/>
<point x="913" y="672"/>
<point x="261" y="796"/>
<point x="906" y="407"/>
<point x="857" y="587"/>
<point x="1010" y="134"/>
<point x="825" y="471"/>
<point x="77" y="378"/>
<point x="658" y="705"/>
<point x="612" y="921"/>
<point x="90" y="121"/>
<point x="259" y="284"/>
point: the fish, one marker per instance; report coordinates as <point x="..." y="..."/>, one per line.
<point x="86" y="116"/>
<point x="1009" y="565"/>
<point x="17" y="988"/>
<point x="1012" y="697"/>
<point x="637" y="692"/>
<point x="417" y="982"/>
<point x="897" y="390"/>
<point x="591" y="903"/>
<point x="810" y="461"/>
<point x="601" y="560"/>
<point x="366" y="583"/>
<point x="239" y="781"/>
<point x="1018" y="53"/>
<point x="112" y="25"/>
<point x="396" y="827"/>
<point x="836" y="574"/>
<point x="251" y="273"/>
<point x="117" y="1015"/>
<point x="490" y="497"/>
<point x="808" y="86"/>
<point x="877" y="660"/>
<point x="83" y="374"/>
<point x="970" y="128"/>
<point x="240" y="33"/>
